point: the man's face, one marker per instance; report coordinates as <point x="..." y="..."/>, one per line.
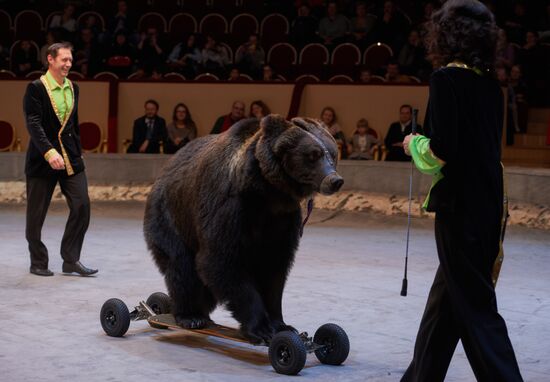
<point x="86" y="35"/>
<point x="365" y="76"/>
<point x="393" y="70"/>
<point x="237" y="112"/>
<point x="405" y="115"/>
<point x="122" y="7"/>
<point x="515" y="73"/>
<point x="331" y="10"/>
<point x="150" y="110"/>
<point x="61" y="64"/>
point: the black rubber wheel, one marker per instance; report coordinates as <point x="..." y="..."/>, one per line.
<point x="336" y="344"/>
<point x="287" y="353"/>
<point x="160" y="302"/>
<point x="115" y="317"/>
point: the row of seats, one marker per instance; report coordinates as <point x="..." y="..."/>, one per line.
<point x="273" y="28"/>
<point x="313" y="58"/>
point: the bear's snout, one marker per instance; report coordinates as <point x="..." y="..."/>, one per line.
<point x="331" y="184"/>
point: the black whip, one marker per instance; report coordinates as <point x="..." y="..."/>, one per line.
<point x="404" y="285"/>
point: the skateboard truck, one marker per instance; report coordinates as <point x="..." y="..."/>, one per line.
<point x="141" y="312"/>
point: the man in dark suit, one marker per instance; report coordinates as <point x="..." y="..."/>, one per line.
<point x="149" y="131"/>
<point x="397" y="132"/>
<point x="54" y="156"/>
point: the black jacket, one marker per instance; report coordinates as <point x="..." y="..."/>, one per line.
<point x="43" y="126"/>
<point x="465" y="119"/>
<point x="140" y="134"/>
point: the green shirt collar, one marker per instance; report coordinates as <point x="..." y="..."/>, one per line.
<point x="54" y="84"/>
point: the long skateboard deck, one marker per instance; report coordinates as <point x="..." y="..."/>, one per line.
<point x="167" y="321"/>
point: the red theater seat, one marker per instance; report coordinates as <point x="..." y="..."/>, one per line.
<point x="282" y="58"/>
<point x="28" y="25"/>
<point x="345" y="59"/>
<point x="215" y="25"/>
<point x="242" y="26"/>
<point x="6" y="29"/>
<point x="82" y="19"/>
<point x="8" y="140"/>
<point x="314" y="59"/>
<point x="341" y="79"/>
<point x="152" y="19"/>
<point x="274" y="29"/>
<point x="182" y="25"/>
<point x="377" y="56"/>
<point x="91" y="137"/>
<point x="207" y="77"/>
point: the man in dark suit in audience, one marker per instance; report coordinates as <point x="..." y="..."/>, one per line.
<point x="149" y="131"/>
<point x="397" y="132"/>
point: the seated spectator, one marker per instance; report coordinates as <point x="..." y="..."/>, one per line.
<point x="4" y="57"/>
<point x="512" y="120"/>
<point x="268" y="75"/>
<point x="393" y="74"/>
<point x="24" y="58"/>
<point x="335" y="27"/>
<point x="544" y="24"/>
<point x="397" y="132"/>
<point x="362" y="24"/>
<point x="250" y="57"/>
<point x="91" y="22"/>
<point x="65" y="23"/>
<point x="181" y="130"/>
<point x="150" y="51"/>
<point x="516" y="23"/>
<point x="185" y="58"/>
<point x="258" y="109"/>
<point x="411" y="58"/>
<point x="86" y="53"/>
<point x="214" y="58"/>
<point x="304" y="27"/>
<point x="149" y="131"/>
<point x="520" y="91"/>
<point x="363" y="143"/>
<point x="224" y="122"/>
<point x="391" y="26"/>
<point x="533" y="62"/>
<point x="121" y="20"/>
<point x="365" y="76"/>
<point x="234" y="75"/>
<point x="121" y="55"/>
<point x="506" y="55"/>
<point x="328" y="117"/>
<point x="50" y="39"/>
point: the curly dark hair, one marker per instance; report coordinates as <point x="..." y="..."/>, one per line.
<point x="464" y="31"/>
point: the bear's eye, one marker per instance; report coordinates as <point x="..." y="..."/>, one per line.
<point x="314" y="155"/>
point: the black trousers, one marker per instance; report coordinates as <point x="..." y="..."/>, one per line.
<point x="462" y="306"/>
<point x="39" y="196"/>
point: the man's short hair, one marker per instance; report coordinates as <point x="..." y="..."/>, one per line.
<point x="406" y="106"/>
<point x="152" y="101"/>
<point x="53" y="49"/>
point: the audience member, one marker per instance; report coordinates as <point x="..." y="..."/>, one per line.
<point x="516" y="23"/>
<point x="149" y="131"/>
<point x="411" y="58"/>
<point x="50" y="39"/>
<point x="181" y="130"/>
<point x="363" y="143"/>
<point x="362" y="24"/>
<point x="304" y="27"/>
<point x="333" y="28"/>
<point x="512" y="120"/>
<point x="250" y="57"/>
<point x="393" y="74"/>
<point x="258" y="109"/>
<point x="214" y="58"/>
<point x="234" y="74"/>
<point x="391" y="26"/>
<point x="150" y="52"/>
<point x="24" y="58"/>
<point x="268" y="75"/>
<point x="328" y="117"/>
<point x="121" y="55"/>
<point x="365" y="76"/>
<point x="506" y="55"/>
<point x="65" y="23"/>
<point x="86" y="55"/>
<point x="533" y="62"/>
<point x="121" y="21"/>
<point x="520" y="91"/>
<point x="91" y="22"/>
<point x="186" y="57"/>
<point x="224" y="122"/>
<point x="397" y="132"/>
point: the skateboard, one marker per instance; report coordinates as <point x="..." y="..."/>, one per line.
<point x="287" y="349"/>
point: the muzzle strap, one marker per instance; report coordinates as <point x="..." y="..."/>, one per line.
<point x="309" y="209"/>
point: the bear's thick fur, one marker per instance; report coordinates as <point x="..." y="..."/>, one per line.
<point x="223" y="220"/>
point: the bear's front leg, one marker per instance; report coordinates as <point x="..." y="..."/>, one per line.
<point x="272" y="287"/>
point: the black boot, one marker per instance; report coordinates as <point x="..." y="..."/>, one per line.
<point x="77" y="268"/>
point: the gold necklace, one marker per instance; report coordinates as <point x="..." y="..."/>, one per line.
<point x="456" y="64"/>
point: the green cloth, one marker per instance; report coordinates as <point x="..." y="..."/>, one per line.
<point x="425" y="161"/>
<point x="62" y="95"/>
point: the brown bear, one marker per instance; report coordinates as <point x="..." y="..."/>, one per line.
<point x="223" y="220"/>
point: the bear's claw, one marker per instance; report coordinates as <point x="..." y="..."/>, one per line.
<point x="193" y="322"/>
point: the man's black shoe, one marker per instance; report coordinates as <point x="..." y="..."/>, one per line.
<point x="78" y="268"/>
<point x="41" y="271"/>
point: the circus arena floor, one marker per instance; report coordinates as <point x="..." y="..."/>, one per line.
<point x="348" y="270"/>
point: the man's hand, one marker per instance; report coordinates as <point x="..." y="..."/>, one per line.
<point x="143" y="147"/>
<point x="406" y="142"/>
<point x="56" y="162"/>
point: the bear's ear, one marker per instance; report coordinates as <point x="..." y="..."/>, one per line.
<point x="308" y="124"/>
<point x="274" y="124"/>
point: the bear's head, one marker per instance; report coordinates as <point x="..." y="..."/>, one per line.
<point x="299" y="156"/>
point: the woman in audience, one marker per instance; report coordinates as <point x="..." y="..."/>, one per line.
<point x="363" y="142"/>
<point x="258" y="109"/>
<point x="328" y="117"/>
<point x="181" y="130"/>
<point x="214" y="57"/>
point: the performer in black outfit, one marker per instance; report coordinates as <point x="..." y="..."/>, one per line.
<point x="55" y="155"/>
<point x="465" y="121"/>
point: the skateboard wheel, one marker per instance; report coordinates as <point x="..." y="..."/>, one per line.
<point x="335" y="342"/>
<point x="160" y="302"/>
<point x="287" y="353"/>
<point x="115" y="317"/>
